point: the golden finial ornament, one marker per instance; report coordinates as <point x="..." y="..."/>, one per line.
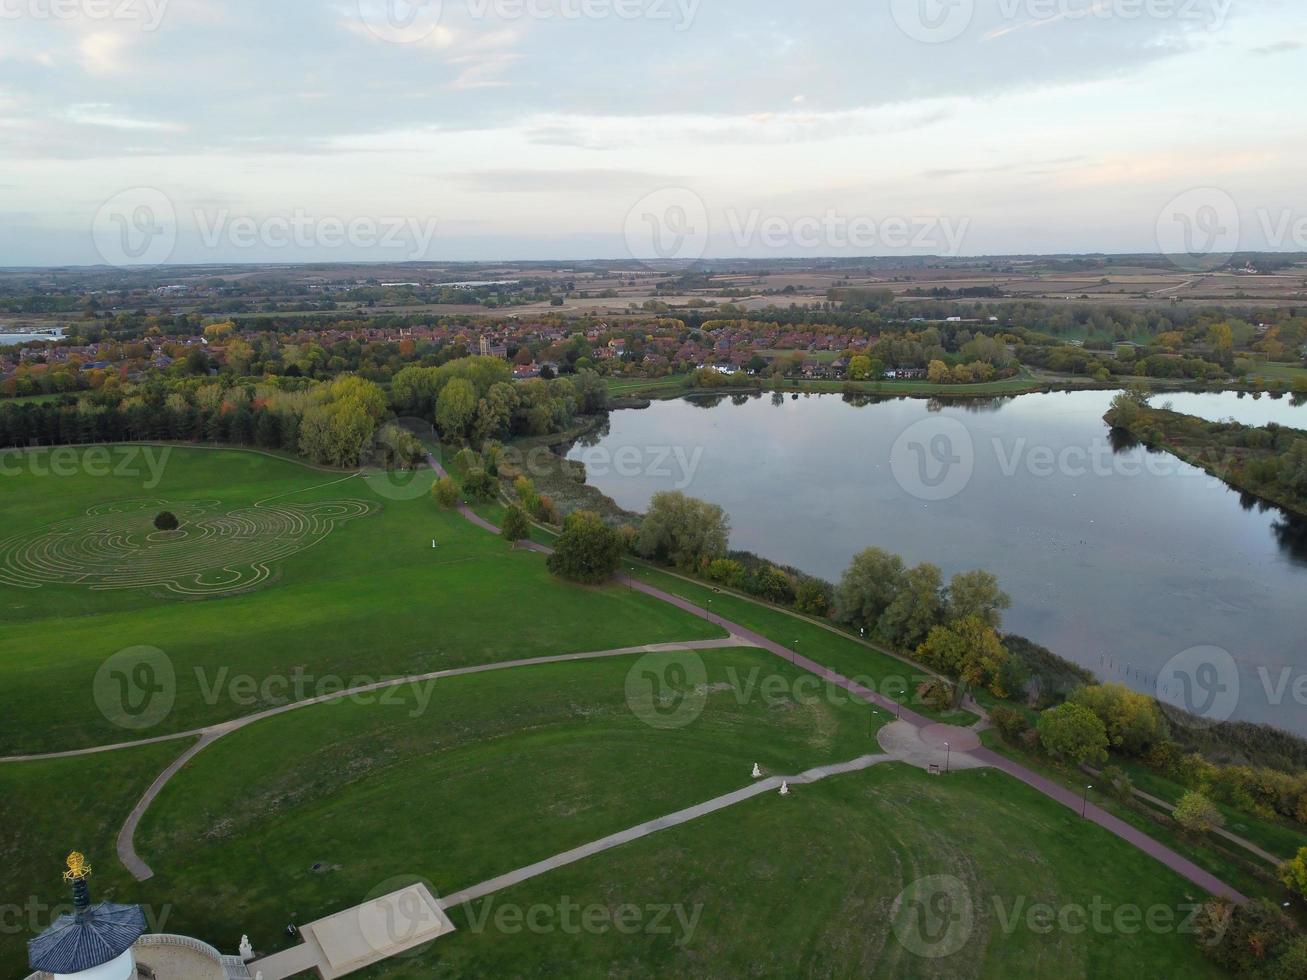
<point x="77" y="867"/>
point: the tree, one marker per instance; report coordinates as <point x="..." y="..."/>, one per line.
<point x="1127" y="408"/>
<point x="480" y="486"/>
<point x="1073" y="734"/>
<point x="445" y="491"/>
<point x="868" y="586"/>
<point x="1133" y="720"/>
<point x="1294" y="873"/>
<point x="977" y="594"/>
<point x="516" y="525"/>
<point x="455" y="408"/>
<point x="683" y="531"/>
<point x="167" y="521"/>
<point x="916" y="610"/>
<point x="968" y="649"/>
<point x="938" y="373"/>
<point x="588" y="550"/>
<point x="1198" y="814"/>
<point x="859" y="368"/>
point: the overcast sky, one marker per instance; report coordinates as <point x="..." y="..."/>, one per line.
<point x="296" y="130"/>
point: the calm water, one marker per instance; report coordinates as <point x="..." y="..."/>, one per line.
<point x="1116" y="558"/>
<point x="7" y="339"/>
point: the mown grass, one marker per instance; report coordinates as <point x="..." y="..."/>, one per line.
<point x="807" y="885"/>
<point x="462" y="780"/>
<point x="373" y="600"/>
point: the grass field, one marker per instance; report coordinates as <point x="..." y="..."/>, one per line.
<point x="458" y="780"/>
<point x="372" y="600"/>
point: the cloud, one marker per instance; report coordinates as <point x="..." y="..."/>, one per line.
<point x="1279" y="47"/>
<point x="104" y="114"/>
<point x="102" y="52"/>
<point x="563" y="181"/>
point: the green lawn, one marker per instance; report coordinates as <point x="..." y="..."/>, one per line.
<point x="1238" y="868"/>
<point x="879" y="671"/>
<point x="1278" y="838"/>
<point x="372" y="600"/>
<point x="807" y="886"/>
<point x="52" y="808"/>
<point x="468" y="778"/>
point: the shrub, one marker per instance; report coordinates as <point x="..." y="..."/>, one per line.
<point x="516" y="526"/>
<point x="167" y="521"/>
<point x="1197" y="813"/>
<point x="480" y="486"/>
<point x="546" y="510"/>
<point x="445" y="492"/>
<point x="465" y="461"/>
<point x="813" y="596"/>
<point x="588" y="550"/>
<point x="1073" y="734"/>
<point x="726" y="571"/>
<point x="1009" y="721"/>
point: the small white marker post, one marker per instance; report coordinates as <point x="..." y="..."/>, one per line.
<point x="757" y="771"/>
<point x="785" y="788"/>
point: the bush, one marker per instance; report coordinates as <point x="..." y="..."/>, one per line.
<point x="167" y="521"/>
<point x="1009" y="721"/>
<point x="479" y="486"/>
<point x="465" y="461"/>
<point x="813" y="596"/>
<point x="725" y="571"/>
<point x="1073" y="734"/>
<point x="445" y="492"/>
<point x="936" y="694"/>
<point x="1198" y="814"/>
<point x="1118" y="783"/>
<point x="547" y="511"/>
<point x="588" y="550"/>
<point x="516" y="526"/>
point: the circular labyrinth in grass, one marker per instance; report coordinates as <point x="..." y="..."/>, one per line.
<point x="212" y="552"/>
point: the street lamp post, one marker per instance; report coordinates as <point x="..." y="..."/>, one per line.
<point x="1084" y="807"/>
<point x="948" y="755"/>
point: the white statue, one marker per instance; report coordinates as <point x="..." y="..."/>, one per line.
<point x="757" y="771"/>
<point x="785" y="788"/>
<point x="247" y="951"/>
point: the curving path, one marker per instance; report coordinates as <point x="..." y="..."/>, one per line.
<point x="1094" y="814"/>
<point x="207" y="736"/>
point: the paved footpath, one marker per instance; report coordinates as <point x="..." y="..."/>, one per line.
<point x="1094" y="814"/>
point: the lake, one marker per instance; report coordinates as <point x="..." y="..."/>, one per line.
<point x="1122" y="560"/>
<point x="9" y="339"/>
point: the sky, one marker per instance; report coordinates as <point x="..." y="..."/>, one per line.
<point x="192" y="131"/>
